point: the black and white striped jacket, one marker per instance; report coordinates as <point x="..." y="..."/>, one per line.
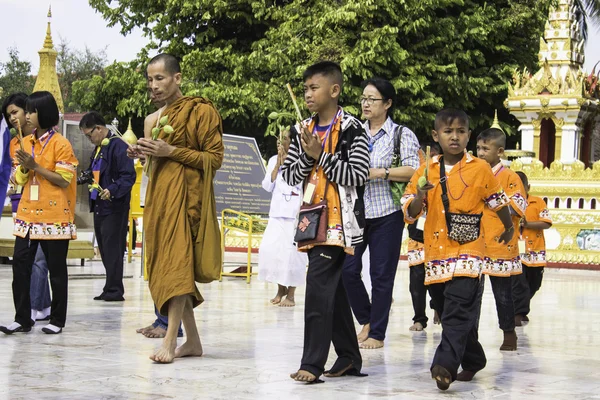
<point x="348" y="167"/>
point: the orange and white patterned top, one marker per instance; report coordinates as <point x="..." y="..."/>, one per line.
<point x="52" y="216"/>
<point x="503" y="259"/>
<point x="471" y="188"/>
<point x="535" y="244"/>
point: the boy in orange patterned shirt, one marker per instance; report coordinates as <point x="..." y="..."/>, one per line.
<point x="416" y="250"/>
<point x="536" y="220"/>
<point x="502" y="260"/>
<point x="470" y="187"/>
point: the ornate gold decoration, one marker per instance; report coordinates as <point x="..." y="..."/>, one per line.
<point x="496" y="123"/>
<point x="47" y="78"/>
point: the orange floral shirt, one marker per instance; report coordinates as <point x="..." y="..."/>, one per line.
<point x="471" y="187"/>
<point x="335" y="232"/>
<point x="535" y="244"/>
<point x="503" y="259"/>
<point x="52" y="215"/>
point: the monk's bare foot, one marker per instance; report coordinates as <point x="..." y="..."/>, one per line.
<point x="145" y="329"/>
<point x="165" y="354"/>
<point x="436" y="319"/>
<point x="287" y="302"/>
<point x="371" y="343"/>
<point x="281" y="292"/>
<point x="156" y="333"/>
<point x="303" y="376"/>
<point x="364" y="333"/>
<point x="189" y="350"/>
<point x="417" y="326"/>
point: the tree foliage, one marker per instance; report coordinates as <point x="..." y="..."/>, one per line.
<point x="240" y="54"/>
<point x="15" y="75"/>
<point x="73" y="65"/>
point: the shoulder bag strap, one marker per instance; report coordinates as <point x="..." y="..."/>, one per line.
<point x="445" y="200"/>
<point x="397" y="141"/>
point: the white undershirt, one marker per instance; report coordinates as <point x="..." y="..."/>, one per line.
<point x="448" y="167"/>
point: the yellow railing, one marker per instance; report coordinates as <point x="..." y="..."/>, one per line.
<point x="248" y="231"/>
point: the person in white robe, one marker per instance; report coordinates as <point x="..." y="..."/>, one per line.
<point x="279" y="260"/>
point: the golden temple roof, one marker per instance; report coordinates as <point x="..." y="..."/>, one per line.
<point x="47" y="78"/>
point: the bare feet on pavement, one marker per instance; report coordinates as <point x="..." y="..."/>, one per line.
<point x="156" y="333"/>
<point x="371" y="343"/>
<point x="165" y="354"/>
<point x="142" y="330"/>
<point x="281" y="292"/>
<point x="303" y="376"/>
<point x="417" y="326"/>
<point x="364" y="333"/>
<point x="287" y="302"/>
<point x="189" y="350"/>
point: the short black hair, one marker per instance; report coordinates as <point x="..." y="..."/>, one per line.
<point x="91" y="119"/>
<point x="44" y="104"/>
<point x="448" y="115"/>
<point x="523" y="177"/>
<point x="433" y="146"/>
<point x="170" y="61"/>
<point x="18" y="99"/>
<point x="328" y="69"/>
<point x="385" y="87"/>
<point x="493" y="135"/>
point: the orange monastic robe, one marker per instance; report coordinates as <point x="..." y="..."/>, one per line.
<point x="183" y="242"/>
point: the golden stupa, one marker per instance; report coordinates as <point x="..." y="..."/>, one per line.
<point x="47" y="78"/>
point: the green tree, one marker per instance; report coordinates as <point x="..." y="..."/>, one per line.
<point x="15" y="75"/>
<point x="73" y="65"/>
<point x="437" y="53"/>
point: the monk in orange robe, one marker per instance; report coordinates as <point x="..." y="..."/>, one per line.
<point x="183" y="243"/>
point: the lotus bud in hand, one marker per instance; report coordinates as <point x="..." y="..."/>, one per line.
<point x="105" y="142"/>
<point x="164" y="120"/>
<point x="168" y="129"/>
<point x="422" y="181"/>
<point x="13" y="132"/>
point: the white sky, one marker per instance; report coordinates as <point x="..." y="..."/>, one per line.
<point x="24" y="26"/>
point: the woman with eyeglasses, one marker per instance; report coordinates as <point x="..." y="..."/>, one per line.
<point x="279" y="260"/>
<point x="45" y="217"/>
<point x="384" y="220"/>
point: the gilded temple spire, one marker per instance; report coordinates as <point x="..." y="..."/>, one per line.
<point x="47" y="78"/>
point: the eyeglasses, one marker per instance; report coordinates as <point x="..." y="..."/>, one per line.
<point x="369" y="100"/>
<point x="90" y="132"/>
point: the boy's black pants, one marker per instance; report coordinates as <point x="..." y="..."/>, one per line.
<point x="458" y="302"/>
<point x="502" y="288"/>
<point x="418" y="293"/>
<point x="327" y="313"/>
<point x="525" y="286"/>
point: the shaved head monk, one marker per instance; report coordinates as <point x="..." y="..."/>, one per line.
<point x="182" y="237"/>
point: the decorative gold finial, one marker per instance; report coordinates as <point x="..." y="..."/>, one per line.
<point x="517" y="146"/>
<point x="48" y="40"/>
<point x="496" y="123"/>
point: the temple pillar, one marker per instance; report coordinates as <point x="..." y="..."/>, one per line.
<point x="528" y="138"/>
<point x="570" y="143"/>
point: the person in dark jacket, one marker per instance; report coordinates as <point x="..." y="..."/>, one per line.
<point x="111" y="175"/>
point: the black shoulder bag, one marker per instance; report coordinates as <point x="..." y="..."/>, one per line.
<point x="462" y="228"/>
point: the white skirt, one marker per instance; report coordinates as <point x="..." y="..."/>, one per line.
<point x="279" y="260"/>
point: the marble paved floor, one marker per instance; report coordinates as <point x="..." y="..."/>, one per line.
<point x="252" y="346"/>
